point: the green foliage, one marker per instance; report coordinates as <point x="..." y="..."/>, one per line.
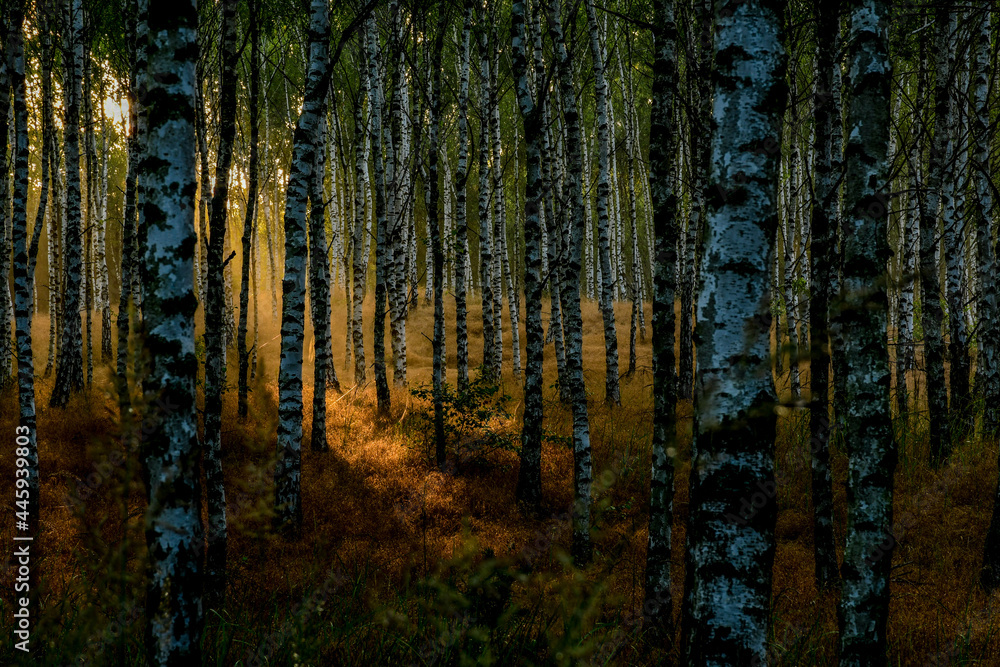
<point x="475" y="420"/>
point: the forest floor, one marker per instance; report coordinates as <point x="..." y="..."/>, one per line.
<point x="401" y="564"/>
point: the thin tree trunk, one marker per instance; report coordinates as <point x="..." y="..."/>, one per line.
<point x="611" y="390"/>
<point x="499" y="218"/>
<point x="953" y="185"/>
<point x="104" y="298"/>
<point x="553" y="250"/>
<point x="434" y="123"/>
<point x="215" y="307"/>
<point x="573" y="322"/>
<point x="359" y="256"/>
<point x="824" y="224"/>
<point x="700" y="165"/>
<point x="396" y="196"/>
<point x="287" y="474"/>
<point x="25" y="434"/>
<point x="382" y="240"/>
<point x="930" y="240"/>
<point x="658" y="596"/>
<point x="6" y="76"/>
<point x="461" y="206"/>
<point x="129" y="248"/>
<point x="251" y="211"/>
<point x="204" y="192"/>
<point x="987" y="360"/>
<point x="69" y="368"/>
<point x="530" y="103"/>
<point x="485" y="222"/>
<point x="319" y="295"/>
<point x="905" y="352"/>
<point x="788" y="234"/>
<point x="90" y="147"/>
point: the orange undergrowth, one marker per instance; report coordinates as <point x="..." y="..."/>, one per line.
<point x="393" y="542"/>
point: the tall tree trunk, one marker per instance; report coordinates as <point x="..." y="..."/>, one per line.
<point x="319" y="295"/>
<point x="142" y="133"/>
<point x="905" y="352"/>
<point x="52" y="222"/>
<point x="396" y="195"/>
<point x="437" y="252"/>
<point x="69" y="368"/>
<point x="551" y="226"/>
<point x="359" y="256"/>
<point x="90" y="148"/>
<point x="930" y="240"/>
<point x="485" y="223"/>
<point x="382" y="238"/>
<point x="204" y="189"/>
<point x="173" y="519"/>
<point x="573" y="322"/>
<point x="700" y="165"/>
<point x="987" y="362"/>
<point x="215" y="331"/>
<point x="104" y="296"/>
<point x="862" y="310"/>
<point x="499" y="218"/>
<point x="631" y="148"/>
<point x="251" y="211"/>
<point x="287" y="482"/>
<point x="530" y="103"/>
<point x="824" y="224"/>
<point x="953" y="185"/>
<point x="129" y="246"/>
<point x="658" y="597"/>
<point x="611" y="390"/>
<point x="729" y="555"/>
<point x="6" y="76"/>
<point x="461" y="206"/>
<point x="25" y="434"/>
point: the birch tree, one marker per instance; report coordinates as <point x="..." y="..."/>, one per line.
<point x="24" y="269"/>
<point x="249" y="220"/>
<point x="287" y="473"/>
<point x="215" y="306"/>
<point x="360" y="256"/>
<point x="731" y="550"/>
<point x="953" y="183"/>
<point x="173" y="517"/>
<point x="700" y="159"/>
<point x="129" y="245"/>
<point x="530" y="103"/>
<point x="69" y="367"/>
<point x="461" y="204"/>
<point x="6" y="348"/>
<point x="319" y="293"/>
<point x="382" y="247"/>
<point x="658" y="598"/>
<point x="987" y="361"/>
<point x="611" y="389"/>
<point x="862" y="310"/>
<point x="573" y="322"/>
<point x="930" y="240"/>
<point x="824" y="225"/>
<point x="434" y="123"/>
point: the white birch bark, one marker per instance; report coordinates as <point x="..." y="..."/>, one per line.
<point x="729" y="556"/>
<point x="611" y="389"/>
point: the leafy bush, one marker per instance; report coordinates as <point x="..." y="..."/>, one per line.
<point x="476" y="420"/>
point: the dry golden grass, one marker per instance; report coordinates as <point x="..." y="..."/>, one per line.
<point x="374" y="504"/>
